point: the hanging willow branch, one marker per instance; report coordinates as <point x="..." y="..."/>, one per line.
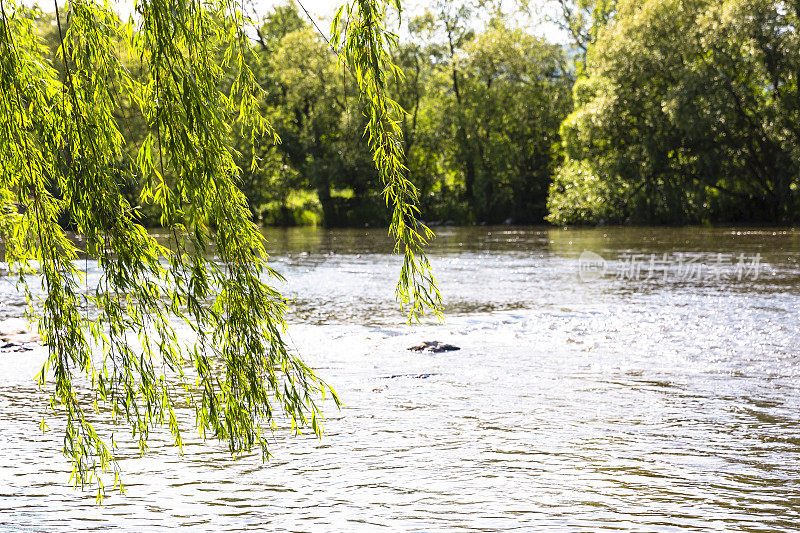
<point x="365" y="47"/>
<point x="114" y="352"/>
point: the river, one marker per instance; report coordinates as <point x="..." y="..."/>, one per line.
<point x="642" y="379"/>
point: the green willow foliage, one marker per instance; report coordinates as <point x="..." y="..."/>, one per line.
<point x="365" y="46"/>
<point x="114" y="353"/>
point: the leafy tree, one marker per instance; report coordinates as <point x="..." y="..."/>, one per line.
<point x="63" y="149"/>
<point x="454" y="19"/>
<point x="516" y="93"/>
<point x="687" y="113"/>
<point x="582" y="20"/>
<point x="281" y="21"/>
<point x="317" y="113"/>
<point x="485" y="115"/>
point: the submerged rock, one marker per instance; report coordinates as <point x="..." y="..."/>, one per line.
<point x="16" y="337"/>
<point x="14" y="347"/>
<point x="434" y="347"/>
<point x="426" y="375"/>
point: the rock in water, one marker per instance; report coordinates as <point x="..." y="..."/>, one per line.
<point x="434" y="347"/>
<point x="16" y="337"/>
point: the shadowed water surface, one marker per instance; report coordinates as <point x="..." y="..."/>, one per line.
<point x="633" y="402"/>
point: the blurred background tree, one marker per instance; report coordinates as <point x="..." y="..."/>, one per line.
<point x="686" y="113"/>
<point x="675" y="112"/>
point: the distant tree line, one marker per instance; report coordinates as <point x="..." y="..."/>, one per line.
<point x="656" y="111"/>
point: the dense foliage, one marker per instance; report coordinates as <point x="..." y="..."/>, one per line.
<point x="657" y="112"/>
<point x="687" y="111"/>
<point x="675" y="112"/>
<point x="480" y="133"/>
<point x="114" y="118"/>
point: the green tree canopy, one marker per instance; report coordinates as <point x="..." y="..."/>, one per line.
<point x="485" y="106"/>
<point x="687" y="112"/>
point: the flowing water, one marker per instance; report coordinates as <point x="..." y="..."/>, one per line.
<point x="627" y="390"/>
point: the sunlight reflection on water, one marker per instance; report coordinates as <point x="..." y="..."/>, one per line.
<point x="574" y="406"/>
